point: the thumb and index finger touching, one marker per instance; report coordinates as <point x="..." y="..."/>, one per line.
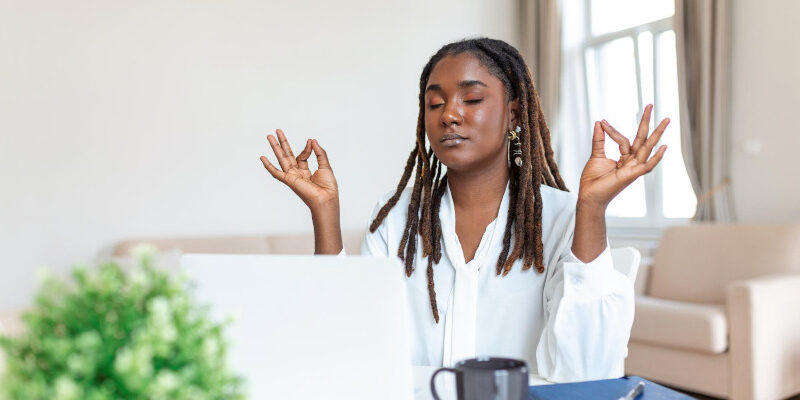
<point x="286" y="158"/>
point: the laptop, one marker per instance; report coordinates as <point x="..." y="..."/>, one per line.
<point x="307" y="327"/>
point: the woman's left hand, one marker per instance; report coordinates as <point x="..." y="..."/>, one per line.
<point x="604" y="178"/>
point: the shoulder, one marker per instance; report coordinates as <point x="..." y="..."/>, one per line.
<point x="558" y="212"/>
<point x="556" y="201"/>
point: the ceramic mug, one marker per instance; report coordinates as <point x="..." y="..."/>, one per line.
<point x="488" y="378"/>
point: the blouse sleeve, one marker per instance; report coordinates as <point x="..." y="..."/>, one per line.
<point x="588" y="309"/>
<point x="374" y="243"/>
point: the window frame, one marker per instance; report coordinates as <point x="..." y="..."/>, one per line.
<point x="654" y="222"/>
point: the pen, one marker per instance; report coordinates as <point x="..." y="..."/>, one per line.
<point x="634" y="392"/>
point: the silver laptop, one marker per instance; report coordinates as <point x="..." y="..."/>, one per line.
<point x="310" y="327"/>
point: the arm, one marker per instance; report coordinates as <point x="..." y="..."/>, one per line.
<point x="588" y="305"/>
<point x="374" y="243"/>
<point x="319" y="191"/>
<point x="588" y="309"/>
<point x="590" y="231"/>
<point x="327" y="230"/>
<point x="603" y="179"/>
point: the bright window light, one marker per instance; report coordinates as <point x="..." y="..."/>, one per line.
<point x="616" y="15"/>
<point x="629" y="60"/>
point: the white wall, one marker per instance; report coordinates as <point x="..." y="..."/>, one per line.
<point x="764" y="99"/>
<point x="147" y="118"/>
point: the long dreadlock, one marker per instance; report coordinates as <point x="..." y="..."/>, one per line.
<point x="525" y="205"/>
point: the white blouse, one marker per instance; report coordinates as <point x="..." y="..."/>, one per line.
<point x="570" y="323"/>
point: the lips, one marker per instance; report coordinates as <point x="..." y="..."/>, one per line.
<point x="450" y="136"/>
<point x="452" y="140"/>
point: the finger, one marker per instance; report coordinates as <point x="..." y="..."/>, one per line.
<point x="279" y="154"/>
<point x="277" y="174"/>
<point x="598" y="141"/>
<point x="622" y="141"/>
<point x="285" y="146"/>
<point x="644" y="168"/>
<point x="302" y="158"/>
<point x="644" y="151"/>
<point x="322" y="156"/>
<point x="644" y="127"/>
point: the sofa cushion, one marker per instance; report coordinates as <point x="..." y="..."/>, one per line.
<point x="691" y="326"/>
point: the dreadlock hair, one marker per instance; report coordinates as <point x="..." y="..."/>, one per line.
<point x="525" y="205"/>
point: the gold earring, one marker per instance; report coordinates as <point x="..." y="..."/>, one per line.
<point x="512" y="136"/>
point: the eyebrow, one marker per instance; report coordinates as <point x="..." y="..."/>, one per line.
<point x="461" y="84"/>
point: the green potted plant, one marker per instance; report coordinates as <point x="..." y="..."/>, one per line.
<point x="109" y="334"/>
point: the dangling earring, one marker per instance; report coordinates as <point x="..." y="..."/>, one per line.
<point x="512" y="136"/>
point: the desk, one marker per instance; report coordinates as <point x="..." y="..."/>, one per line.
<point x="445" y="383"/>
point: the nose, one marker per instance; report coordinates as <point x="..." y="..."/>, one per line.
<point x="451" y="114"/>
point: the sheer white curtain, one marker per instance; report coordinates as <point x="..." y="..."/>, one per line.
<point x="573" y="140"/>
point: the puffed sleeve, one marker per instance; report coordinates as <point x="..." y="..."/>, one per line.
<point x="374" y="243"/>
<point x="588" y="309"/>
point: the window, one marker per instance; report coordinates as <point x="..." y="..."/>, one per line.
<point x="620" y="56"/>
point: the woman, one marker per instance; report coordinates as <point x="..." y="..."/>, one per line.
<point x="569" y="317"/>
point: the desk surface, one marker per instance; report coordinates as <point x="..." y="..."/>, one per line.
<point x="606" y="388"/>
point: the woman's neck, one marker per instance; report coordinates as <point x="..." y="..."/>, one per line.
<point x="478" y="191"/>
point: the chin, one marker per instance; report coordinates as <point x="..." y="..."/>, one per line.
<point x="456" y="162"/>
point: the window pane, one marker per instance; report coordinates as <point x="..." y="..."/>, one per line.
<point x="614" y="15"/>
<point x="645" y="41"/>
<point x="613" y="95"/>
<point x="677" y="195"/>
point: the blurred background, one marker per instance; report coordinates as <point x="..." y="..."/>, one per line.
<point x="147" y="118"/>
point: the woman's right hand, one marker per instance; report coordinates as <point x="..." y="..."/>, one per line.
<point x="318" y="190"/>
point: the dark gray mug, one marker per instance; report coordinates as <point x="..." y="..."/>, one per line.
<point x="488" y="378"/>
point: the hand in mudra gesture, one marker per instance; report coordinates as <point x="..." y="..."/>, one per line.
<point x="603" y="178"/>
<point x="318" y="189"/>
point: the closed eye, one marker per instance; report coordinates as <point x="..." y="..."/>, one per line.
<point x="476" y="101"/>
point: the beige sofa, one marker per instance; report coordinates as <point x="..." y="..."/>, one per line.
<point x="721" y="312"/>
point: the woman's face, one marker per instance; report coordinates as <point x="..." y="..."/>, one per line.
<point x="462" y="98"/>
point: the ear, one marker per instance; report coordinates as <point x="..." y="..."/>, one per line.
<point x="513" y="113"/>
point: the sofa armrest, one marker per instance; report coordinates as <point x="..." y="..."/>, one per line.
<point x="764" y="341"/>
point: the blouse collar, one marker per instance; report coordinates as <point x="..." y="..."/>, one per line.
<point x="493" y="233"/>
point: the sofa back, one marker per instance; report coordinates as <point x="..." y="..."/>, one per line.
<point x="268" y="244"/>
<point x="696" y="262"/>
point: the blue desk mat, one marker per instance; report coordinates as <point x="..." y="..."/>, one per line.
<point x="607" y="389"/>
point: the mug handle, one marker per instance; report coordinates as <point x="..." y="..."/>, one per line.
<point x="433" y="377"/>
